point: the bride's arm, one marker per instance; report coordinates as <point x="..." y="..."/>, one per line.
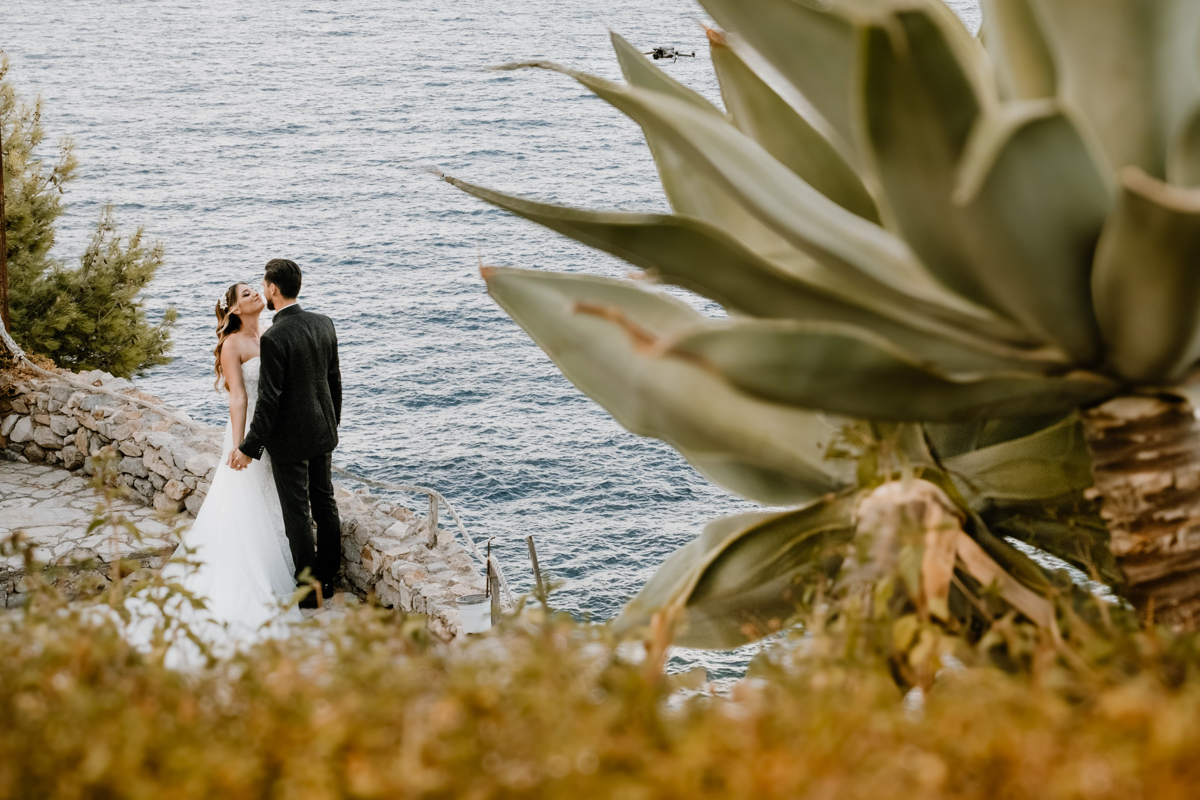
<point x="231" y="365"/>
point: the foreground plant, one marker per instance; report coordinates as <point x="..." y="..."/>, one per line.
<point x="364" y="704"/>
<point x="367" y="707"/>
<point x="986" y="252"/>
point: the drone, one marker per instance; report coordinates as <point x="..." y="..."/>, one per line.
<point x="668" y="52"/>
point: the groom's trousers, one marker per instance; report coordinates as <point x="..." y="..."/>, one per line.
<point x="303" y="485"/>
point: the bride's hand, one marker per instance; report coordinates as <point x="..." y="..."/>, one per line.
<point x="238" y="460"/>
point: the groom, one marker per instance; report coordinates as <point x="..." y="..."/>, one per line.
<point x="296" y="419"/>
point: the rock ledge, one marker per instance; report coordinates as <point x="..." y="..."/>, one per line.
<point x="168" y="461"/>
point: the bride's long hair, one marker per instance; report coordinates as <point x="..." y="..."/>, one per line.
<point x="226" y="324"/>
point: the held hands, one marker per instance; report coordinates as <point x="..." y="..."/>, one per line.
<point x="238" y="460"/>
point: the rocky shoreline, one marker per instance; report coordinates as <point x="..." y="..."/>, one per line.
<point x="168" y="461"/>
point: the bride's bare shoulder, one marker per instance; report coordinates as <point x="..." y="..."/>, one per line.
<point x="233" y="354"/>
<point x="243" y="348"/>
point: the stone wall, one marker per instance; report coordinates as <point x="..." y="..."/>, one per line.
<point x="387" y="549"/>
<point x="168" y="464"/>
<point x="169" y="461"/>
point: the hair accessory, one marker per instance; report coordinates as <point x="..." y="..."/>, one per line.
<point x="223" y="304"/>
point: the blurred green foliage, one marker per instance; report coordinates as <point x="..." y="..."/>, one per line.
<point x="88" y="317"/>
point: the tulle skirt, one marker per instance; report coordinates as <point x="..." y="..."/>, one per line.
<point x="240" y="565"/>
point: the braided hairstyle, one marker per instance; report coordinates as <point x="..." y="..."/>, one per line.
<point x="227" y="323"/>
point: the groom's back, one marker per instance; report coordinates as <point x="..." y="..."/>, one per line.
<point x="300" y="352"/>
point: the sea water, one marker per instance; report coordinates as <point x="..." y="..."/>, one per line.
<point x="237" y="131"/>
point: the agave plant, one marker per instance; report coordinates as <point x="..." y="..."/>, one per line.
<point x="989" y="247"/>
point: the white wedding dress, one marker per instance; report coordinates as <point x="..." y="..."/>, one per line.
<point x="245" y="574"/>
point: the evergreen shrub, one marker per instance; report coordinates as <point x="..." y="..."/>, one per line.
<point x="86" y="317"/>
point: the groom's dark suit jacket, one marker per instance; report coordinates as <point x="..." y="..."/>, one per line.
<point x="299" y="389"/>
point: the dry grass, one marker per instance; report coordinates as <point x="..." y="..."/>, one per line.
<point x="11" y="371"/>
<point x="547" y="708"/>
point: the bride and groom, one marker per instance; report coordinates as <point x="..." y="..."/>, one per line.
<point x="252" y="539"/>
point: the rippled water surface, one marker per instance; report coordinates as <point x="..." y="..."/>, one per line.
<point x="238" y="131"/>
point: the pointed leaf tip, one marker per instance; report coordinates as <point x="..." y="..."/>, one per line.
<point x="597" y="331"/>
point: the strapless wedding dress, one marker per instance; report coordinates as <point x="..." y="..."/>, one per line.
<point x="245" y="574"/>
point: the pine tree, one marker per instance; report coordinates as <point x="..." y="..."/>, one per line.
<point x="89" y="317"/>
<point x="32" y="191"/>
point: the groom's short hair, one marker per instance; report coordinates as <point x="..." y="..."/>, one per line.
<point x="285" y="275"/>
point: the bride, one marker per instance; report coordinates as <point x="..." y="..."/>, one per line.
<point x="239" y="559"/>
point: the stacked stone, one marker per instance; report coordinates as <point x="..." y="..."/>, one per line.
<point x="169" y="465"/>
<point x="386" y="550"/>
<point x="53" y="509"/>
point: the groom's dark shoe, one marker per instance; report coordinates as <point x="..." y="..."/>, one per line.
<point x="327" y="591"/>
<point x="309" y="600"/>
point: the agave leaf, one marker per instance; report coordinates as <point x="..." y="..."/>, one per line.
<point x="777" y="197"/>
<point x="789" y="93"/>
<point x="1138" y="90"/>
<point x="1179" y="81"/>
<point x="1022" y="243"/>
<point x="1067" y="527"/>
<point x="942" y="356"/>
<point x="848" y="371"/>
<point x="761" y="114"/>
<point x="695" y="193"/>
<point x="1022" y="59"/>
<point x="1183" y="159"/>
<point x="1037" y="215"/>
<point x="689" y="191"/>
<point x="639" y="71"/>
<point x="691" y="254"/>
<point x="1146" y="283"/>
<point x="744" y="576"/>
<point x="601" y="333"/>
<point x="1113" y="85"/>
<point x="682" y="251"/>
<point x="1052" y="462"/>
<point x="833" y="236"/>
<point x="954" y="439"/>
<point x="704" y="147"/>
<point x="815" y="44"/>
<point x="811" y="45"/>
<point x="920" y="108"/>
